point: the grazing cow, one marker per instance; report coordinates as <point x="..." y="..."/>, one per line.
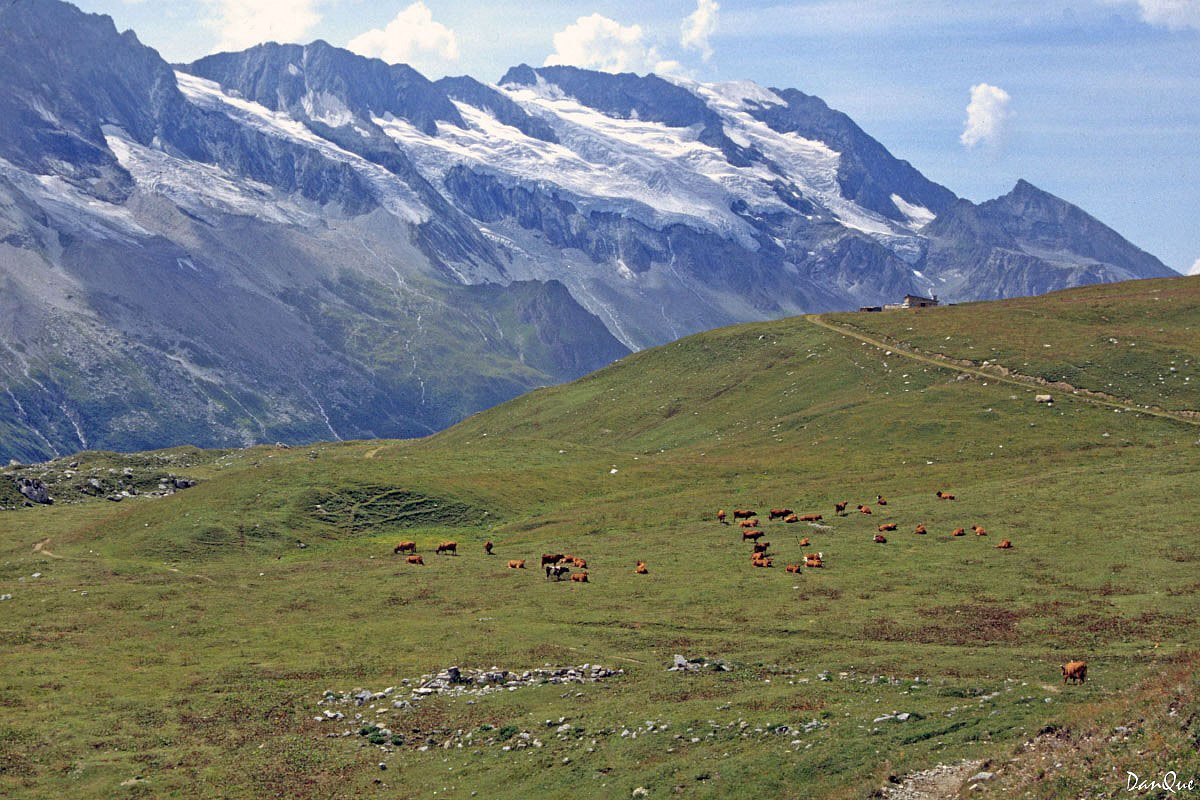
<point x="409" y="546"/>
<point x="640" y="569"/>
<point x="551" y="558"/>
<point x="959" y="532"/>
<point x="979" y="530"/>
<point x="805" y="542"/>
<point x="1074" y="672"/>
<point x="579" y="563"/>
<point x="779" y="513"/>
<point x="921" y="529"/>
<point x="811" y="518"/>
<point x="752" y="535"/>
<point x="516" y="564"/>
<point x="761" y="547"/>
<point x="880" y="539"/>
<point x="556" y="571"/>
<point x="447" y="547"/>
<point x="741" y="513"/>
<point x="721" y="517"/>
<point x="1005" y="544"/>
<point x="415" y="560"/>
<point x="792" y="568"/>
<point x="865" y="509"/>
<point x="840" y="508"/>
<point x="487" y="547"/>
<point x="750" y="523"/>
<point x="791" y="518"/>
<point x="943" y="496"/>
<point x="579" y="577"/>
<point x="881" y="500"/>
<point x="888" y="526"/>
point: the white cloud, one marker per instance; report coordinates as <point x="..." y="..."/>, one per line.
<point x="245" y="23"/>
<point x="987" y="115"/>
<point x="1174" y="14"/>
<point x="1195" y="270"/>
<point x="699" y="26"/>
<point x="597" y="42"/>
<point x="413" y="34"/>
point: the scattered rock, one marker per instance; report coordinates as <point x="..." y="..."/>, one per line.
<point x="34" y="491"/>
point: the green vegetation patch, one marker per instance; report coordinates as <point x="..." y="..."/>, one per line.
<point x="358" y="509"/>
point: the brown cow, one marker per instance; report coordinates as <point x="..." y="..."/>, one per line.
<point x="778" y="513"/>
<point x="888" y="526"/>
<point x="921" y="529"/>
<point x="721" y="517"/>
<point x="840" y="508"/>
<point x="640" y="569"/>
<point x="979" y="530"/>
<point x="814" y="560"/>
<point x="1005" y="544"/>
<point x="959" y="532"/>
<point x="579" y="577"/>
<point x="566" y="559"/>
<point x="865" y="509"/>
<point x="811" y="518"/>
<point x="1074" y="671"/>
<point x="579" y="563"/>
<point x="761" y="547"/>
<point x="409" y="546"/>
<point x="762" y="562"/>
<point x="880" y="539"/>
<point x="741" y="513"/>
<point x="805" y="542"/>
<point x="447" y="547"/>
<point x="516" y="564"/>
<point x="791" y="518"/>
<point x="752" y="535"/>
<point x="487" y="547"/>
<point x="551" y="558"/>
<point x="881" y="500"/>
<point x="793" y="568"/>
<point x="943" y="496"/>
<point x="415" y="560"/>
<point x="750" y="523"/>
<point x="557" y="571"/>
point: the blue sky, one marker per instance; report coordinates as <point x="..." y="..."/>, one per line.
<point x="1097" y="101"/>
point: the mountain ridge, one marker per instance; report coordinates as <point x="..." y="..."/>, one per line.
<point x="326" y="207"/>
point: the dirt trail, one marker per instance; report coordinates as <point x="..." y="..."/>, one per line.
<point x="943" y="782"/>
<point x="371" y="453"/>
<point x="1013" y="379"/>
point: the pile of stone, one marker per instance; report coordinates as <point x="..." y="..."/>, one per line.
<point x="477" y="682"/>
<point x="682" y="664"/>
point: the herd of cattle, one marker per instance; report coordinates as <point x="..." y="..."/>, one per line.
<point x="559" y="565"/>
<point x="760" y="557"/>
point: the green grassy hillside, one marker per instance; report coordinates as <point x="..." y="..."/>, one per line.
<point x="215" y="618"/>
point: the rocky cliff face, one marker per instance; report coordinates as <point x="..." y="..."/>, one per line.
<point x="294" y="242"/>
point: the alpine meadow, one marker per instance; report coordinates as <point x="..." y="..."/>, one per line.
<point x="623" y="428"/>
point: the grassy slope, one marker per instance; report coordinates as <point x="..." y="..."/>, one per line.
<point x="206" y="637"/>
<point x="1138" y="340"/>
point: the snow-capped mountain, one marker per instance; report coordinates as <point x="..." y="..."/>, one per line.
<point x="294" y="242"/>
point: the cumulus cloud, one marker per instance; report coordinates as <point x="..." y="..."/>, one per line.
<point x="1173" y="14"/>
<point x="413" y="34"/>
<point x="1195" y="270"/>
<point x="699" y="26"/>
<point x="987" y="115"/>
<point x="597" y="42"/>
<point x="245" y="23"/>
